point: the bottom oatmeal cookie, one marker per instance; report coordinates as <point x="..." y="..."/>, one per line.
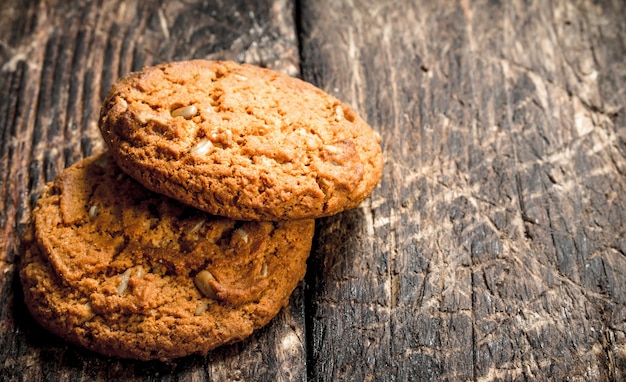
<point x="130" y="273"/>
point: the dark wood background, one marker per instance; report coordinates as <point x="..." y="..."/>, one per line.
<point x="494" y="247"/>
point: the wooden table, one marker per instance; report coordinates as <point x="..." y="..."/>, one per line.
<point x="494" y="247"/>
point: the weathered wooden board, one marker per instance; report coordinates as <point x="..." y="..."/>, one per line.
<point x="58" y="60"/>
<point x="495" y="246"/>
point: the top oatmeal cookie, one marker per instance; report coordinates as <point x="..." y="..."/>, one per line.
<point x="240" y="141"/>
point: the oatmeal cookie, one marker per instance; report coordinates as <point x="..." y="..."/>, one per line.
<point x="130" y="273"/>
<point x="240" y="141"/>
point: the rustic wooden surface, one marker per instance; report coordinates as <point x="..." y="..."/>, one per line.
<point x="494" y="247"/>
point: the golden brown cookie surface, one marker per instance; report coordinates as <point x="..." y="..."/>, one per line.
<point x="240" y="141"/>
<point x="130" y="273"/>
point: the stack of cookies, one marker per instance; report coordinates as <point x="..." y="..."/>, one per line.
<point x="194" y="228"/>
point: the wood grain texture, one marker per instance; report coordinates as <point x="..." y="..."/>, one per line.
<point x="58" y="60"/>
<point x="494" y="247"/>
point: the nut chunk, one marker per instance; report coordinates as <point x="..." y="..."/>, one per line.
<point x="203" y="282"/>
